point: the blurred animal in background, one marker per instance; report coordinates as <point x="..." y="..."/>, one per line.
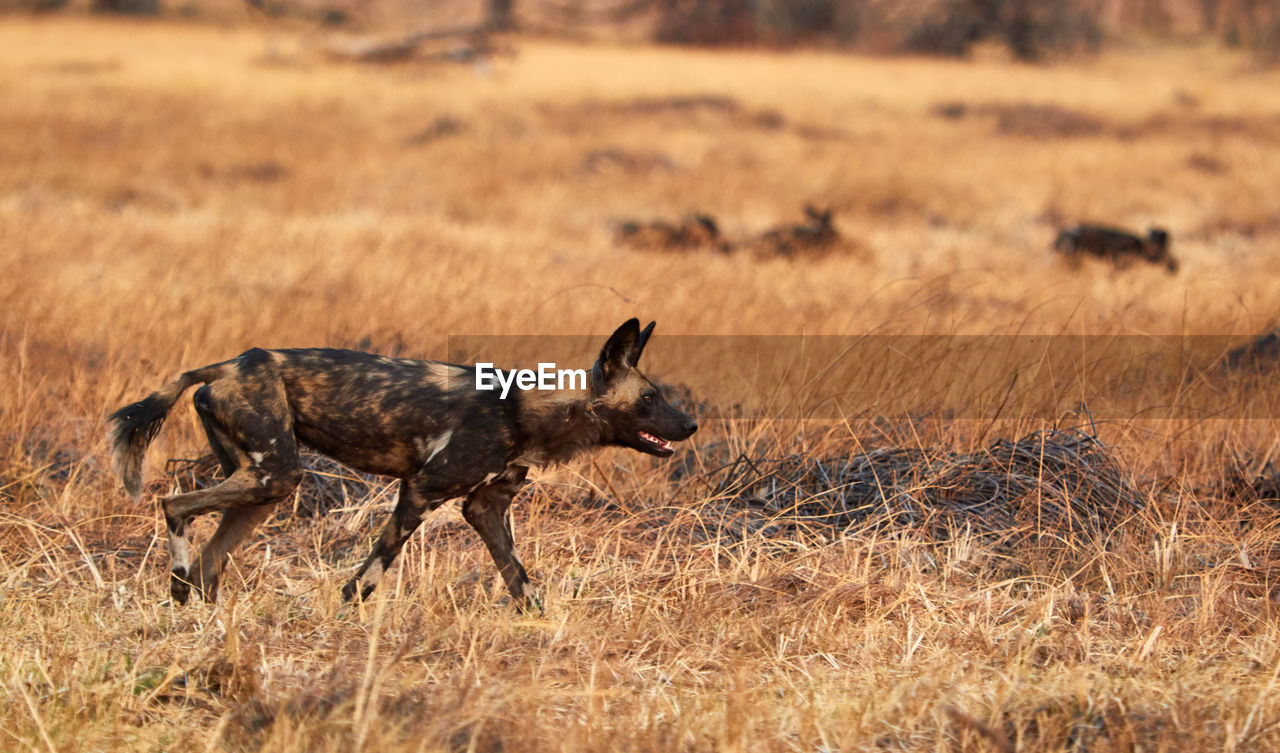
<point x="699" y="231"/>
<point x="817" y="236"/>
<point x="1119" y="247"/>
<point x="1263" y="353"/>
<point x="695" y="232"/>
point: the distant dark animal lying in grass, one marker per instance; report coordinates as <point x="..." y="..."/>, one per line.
<point x="695" y="232"/>
<point x="815" y="237"/>
<point x="1119" y="247"/>
<point x="1262" y="353"/>
<point x="432" y="425"/>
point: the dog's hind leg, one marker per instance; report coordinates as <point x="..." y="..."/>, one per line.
<point x="244" y="489"/>
<point x="235" y="525"/>
<point x="416" y="498"/>
<point x="223" y="448"/>
<point x="236" y="522"/>
<point x="247" y="497"/>
<point x="248" y="424"/>
<point x="487" y="509"/>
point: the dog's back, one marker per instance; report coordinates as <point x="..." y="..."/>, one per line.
<point x="817" y="235"/>
<point x="647" y="236"/>
<point x="1119" y="247"/>
<point x="696" y="231"/>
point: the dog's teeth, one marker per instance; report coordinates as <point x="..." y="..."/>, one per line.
<point x="646" y="436"/>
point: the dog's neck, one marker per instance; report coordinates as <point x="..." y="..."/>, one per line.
<point x="556" y="426"/>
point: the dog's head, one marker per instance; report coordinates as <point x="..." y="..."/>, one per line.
<point x="706" y="228"/>
<point x="630" y="406"/>
<point x="1157" y="248"/>
<point x="819" y="219"/>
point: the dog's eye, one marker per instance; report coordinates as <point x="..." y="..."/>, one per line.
<point x="648" y="397"/>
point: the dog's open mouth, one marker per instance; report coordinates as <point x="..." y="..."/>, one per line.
<point x="657" y="443"/>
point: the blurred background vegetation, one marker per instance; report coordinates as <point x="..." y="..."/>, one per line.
<point x="1029" y="30"/>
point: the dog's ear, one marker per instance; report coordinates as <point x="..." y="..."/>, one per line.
<point x="821" y="216"/>
<point x="644" y="340"/>
<point x="619" y="352"/>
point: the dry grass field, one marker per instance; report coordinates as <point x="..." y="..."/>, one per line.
<point x="172" y="195"/>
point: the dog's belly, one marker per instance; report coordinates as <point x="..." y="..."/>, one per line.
<point x="380" y="455"/>
<point x="448" y="460"/>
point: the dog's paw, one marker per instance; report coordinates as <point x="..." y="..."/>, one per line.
<point x="179" y="586"/>
<point x="354" y="592"/>
<point x="531" y="605"/>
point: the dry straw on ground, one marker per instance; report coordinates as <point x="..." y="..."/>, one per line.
<point x="1063" y="486"/>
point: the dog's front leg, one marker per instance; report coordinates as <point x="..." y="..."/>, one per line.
<point x="487" y="509"/>
<point x="416" y="498"/>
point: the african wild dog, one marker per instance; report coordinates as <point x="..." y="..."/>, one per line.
<point x="1117" y="246"/>
<point x="817" y="236"/>
<point x="694" y="232"/>
<point x="423" y="422"/>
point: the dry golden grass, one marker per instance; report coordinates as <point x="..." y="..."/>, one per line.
<point x="172" y="195"/>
